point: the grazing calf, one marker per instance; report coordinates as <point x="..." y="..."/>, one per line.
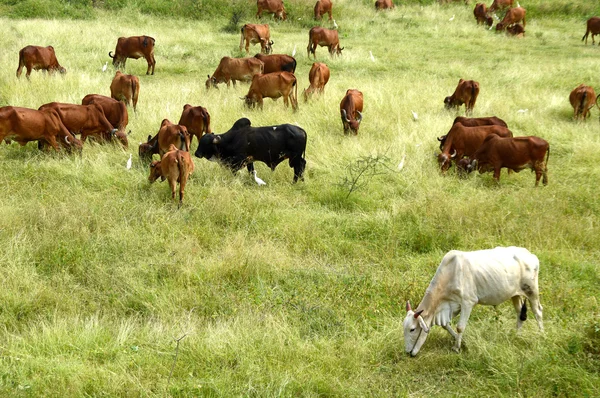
<point x="481" y="15"/>
<point x="318" y="78"/>
<point x="274" y="7"/>
<point x="176" y="166"/>
<point x="168" y="134"/>
<point x="513" y="16"/>
<point x="321" y="8"/>
<point x="593" y="27"/>
<point x="582" y="98"/>
<point x="125" y="88"/>
<point x="466" y="93"/>
<point x="325" y="38"/>
<point x="351" y="111"/>
<point x="197" y="121"/>
<point x="253" y="34"/>
<point x="134" y="47"/>
<point x="115" y="111"/>
<point x="44" y="58"/>
<point x="273" y="85"/>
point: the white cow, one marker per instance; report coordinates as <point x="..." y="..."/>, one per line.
<point x="464" y="279"/>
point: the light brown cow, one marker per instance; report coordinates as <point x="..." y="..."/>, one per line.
<point x="176" y="166"/>
<point x="318" y="78"/>
<point x="323" y="37"/>
<point x="134" y="47"/>
<point x="115" y="112"/>
<point x="466" y="93"/>
<point x="513" y="16"/>
<point x="593" y="27"/>
<point x="499" y="5"/>
<point x="582" y="98"/>
<point x="274" y="7"/>
<point x="516" y="30"/>
<point x="384" y="4"/>
<point x="168" y="134"/>
<point x="36" y="58"/>
<point x="197" y="121"/>
<point x="232" y="69"/>
<point x="277" y="63"/>
<point x="480" y="12"/>
<point x="125" y="88"/>
<point x="253" y="34"/>
<point x="351" y="109"/>
<point x="321" y="8"/>
<point x="273" y="85"/>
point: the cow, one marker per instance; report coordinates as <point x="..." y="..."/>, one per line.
<point x="465" y="279"/>
<point x="36" y="58"/>
<point x="516" y="30"/>
<point x="168" y="134"/>
<point x="125" y="88"/>
<point x="115" y="112"/>
<point x="499" y="5"/>
<point x="175" y="166"/>
<point x="473" y="122"/>
<point x="384" y="4"/>
<point x="321" y="8"/>
<point x="323" y="37"/>
<point x="582" y="98"/>
<point x="466" y="93"/>
<point x="593" y="27"/>
<point x="481" y="15"/>
<point x="243" y="144"/>
<point x="513" y="153"/>
<point x="512" y="16"/>
<point x="464" y="141"/>
<point x="274" y="7"/>
<point x="134" y="47"/>
<point x="232" y="69"/>
<point x="24" y="125"/>
<point x="318" y="78"/>
<point x="273" y="85"/>
<point x="277" y="63"/>
<point x="253" y="33"/>
<point x="196" y="120"/>
<point x="351" y="111"/>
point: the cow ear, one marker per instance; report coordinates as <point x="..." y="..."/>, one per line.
<point x="149" y="137"/>
<point x="423" y="324"/>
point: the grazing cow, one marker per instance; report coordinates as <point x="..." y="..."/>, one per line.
<point x="277" y="63"/>
<point x="464" y="141"/>
<point x="323" y="37"/>
<point x="273" y="85"/>
<point x="125" y="88"/>
<point x="466" y="93"/>
<point x="465" y="279"/>
<point x="499" y="5"/>
<point x="176" y="166"/>
<point x="197" y="121"/>
<point x="44" y="58"/>
<point x="481" y="15"/>
<point x="115" y="112"/>
<point x="168" y="134"/>
<point x="232" y="69"/>
<point x="516" y="30"/>
<point x="593" y="27"/>
<point x="582" y="98"/>
<point x="134" y="47"/>
<point x="321" y="8"/>
<point x="351" y="111"/>
<point x="274" y="7"/>
<point x="513" y="16"/>
<point x="242" y="145"/>
<point x="384" y="4"/>
<point x="318" y="78"/>
<point x="513" y="153"/>
<point x="473" y="122"/>
<point x="253" y="34"/>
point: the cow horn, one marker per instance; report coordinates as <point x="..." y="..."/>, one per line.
<point x="440" y="139"/>
<point x="110" y="54"/>
<point x="453" y="155"/>
<point x="408" y="307"/>
<point x="345" y="116"/>
<point x="67" y="140"/>
<point x="418" y="314"/>
<point x="359" y="117"/>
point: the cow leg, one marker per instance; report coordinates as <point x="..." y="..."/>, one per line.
<point x="518" y="304"/>
<point x="497" y="174"/>
<point x="299" y="164"/>
<point x="465" y="313"/>
<point x="19" y="70"/>
<point x="544" y="174"/>
<point x="536" y="307"/>
<point x="52" y="141"/>
<point x="450" y="330"/>
<point x="28" y="72"/>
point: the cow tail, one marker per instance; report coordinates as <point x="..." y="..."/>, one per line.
<point x="523" y="314"/>
<point x="296" y="91"/>
<point x="206" y="118"/>
<point x="186" y="141"/>
<point x="242" y="37"/>
<point x="582" y="105"/>
<point x="182" y="166"/>
<point x="547" y="155"/>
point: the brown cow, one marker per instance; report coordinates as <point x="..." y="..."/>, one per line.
<point x="593" y="27"/>
<point x="273" y="85"/>
<point x="274" y="7"/>
<point x="176" y="166"/>
<point x="473" y="122"/>
<point x="232" y="69"/>
<point x="516" y="30"/>
<point x="277" y="63"/>
<point x="318" y="78"/>
<point x="498" y="5"/>
<point x="125" y="88"/>
<point x="513" y="16"/>
<point x="168" y="134"/>
<point x="582" y="98"/>
<point x="384" y="4"/>
<point x="351" y="111"/>
<point x="513" y="153"/>
<point x="466" y="93"/>
<point x="253" y="33"/>
<point x="464" y="141"/>
<point x="480" y="12"/>
<point x="44" y="58"/>
<point x="323" y="37"/>
<point x="115" y="112"/>
<point x="322" y="7"/>
<point x="134" y="47"/>
<point x="197" y="121"/>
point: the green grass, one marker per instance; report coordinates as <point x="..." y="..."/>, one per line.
<point x="298" y="290"/>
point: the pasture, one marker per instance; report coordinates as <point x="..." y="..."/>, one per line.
<point x="298" y="289"/>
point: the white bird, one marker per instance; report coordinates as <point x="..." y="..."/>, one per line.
<point x="371" y="55"/>
<point x="518" y="5"/>
<point x="129" y="163"/>
<point x="415" y="116"/>
<point x="491" y="26"/>
<point x="401" y="164"/>
<point x="451" y="19"/>
<point x="335" y="26"/>
<point x="522" y="110"/>
<point x="294" y="51"/>
<point x="258" y="180"/>
<point x="105" y="66"/>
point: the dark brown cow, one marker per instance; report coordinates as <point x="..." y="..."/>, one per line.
<point x="115" y="112"/>
<point x="516" y="30"/>
<point x="134" y="47"/>
<point x="323" y="7"/>
<point x="351" y="111"/>
<point x="197" y="121"/>
<point x="464" y="141"/>
<point x="274" y="7"/>
<point x="323" y="37"/>
<point x="277" y="63"/>
<point x="466" y="93"/>
<point x="253" y="33"/>
<point x="513" y="153"/>
<point x="593" y="27"/>
<point x="473" y="122"/>
<point x="273" y="85"/>
<point x="176" y="166"/>
<point x="498" y="5"/>
<point x="125" y="88"/>
<point x="232" y="69"/>
<point x="168" y="134"/>
<point x="513" y="16"/>
<point x="582" y="98"/>
<point x="480" y="12"/>
<point x="318" y="78"/>
<point x="36" y="58"/>
<point x="384" y="4"/>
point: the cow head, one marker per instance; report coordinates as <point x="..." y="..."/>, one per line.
<point x="267" y="45"/>
<point x="351" y="124"/>
<point x="73" y="143"/>
<point x="62" y="70"/>
<point x="489" y="21"/>
<point x="121" y="137"/>
<point x="155" y="171"/>
<point x="499" y="27"/>
<point x="208" y="147"/>
<point x="444" y="160"/>
<point x="250" y="100"/>
<point x="448" y="103"/>
<point x="147" y="149"/>
<point x="211" y="82"/>
<point x="415" y="330"/>
<point x="462" y="166"/>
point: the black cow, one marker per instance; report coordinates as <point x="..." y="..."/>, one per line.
<point x="243" y="144"/>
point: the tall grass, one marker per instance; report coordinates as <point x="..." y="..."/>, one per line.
<point x="288" y="290"/>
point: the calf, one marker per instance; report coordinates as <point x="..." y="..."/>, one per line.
<point x="321" y="8"/>
<point x="274" y="7"/>
<point x="44" y="58"/>
<point x="277" y="63"/>
<point x="593" y="27"/>
<point x="232" y="69"/>
<point x="253" y="34"/>
<point x="512" y="16"/>
<point x="318" y="78"/>
<point x="176" y="166"/>
<point x="582" y="98"/>
<point x="125" y="88"/>
<point x="351" y="111"/>
<point x="273" y="85"/>
<point x="516" y="30"/>
<point x="115" y="112"/>
<point x="197" y="121"/>
<point x="168" y="134"/>
<point x="384" y="5"/>
<point x="466" y="93"/>
<point x="481" y="15"/>
<point x="325" y="38"/>
<point x="134" y="47"/>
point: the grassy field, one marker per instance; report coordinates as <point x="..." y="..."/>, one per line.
<point x="298" y="289"/>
